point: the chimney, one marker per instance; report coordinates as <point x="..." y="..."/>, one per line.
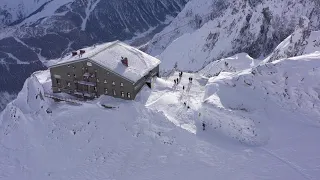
<point x="124" y="61"/>
<point x="74" y="53"/>
<point x="81" y="52"/>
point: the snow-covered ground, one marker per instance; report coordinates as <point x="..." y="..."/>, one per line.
<point x="235" y="63"/>
<point x="261" y="123"/>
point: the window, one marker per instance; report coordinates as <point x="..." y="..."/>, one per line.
<point x="105" y="91"/>
<point x="74" y="75"/>
<point x="57" y="76"/>
<point x="95" y="88"/>
<point x="68" y="84"/>
<point x="113" y="83"/>
<point x="108" y="73"/>
<point x="129" y="95"/>
<point x="68" y="74"/>
<point x="73" y="67"/>
<point x="105" y="81"/>
<point x="114" y="92"/>
<point x="68" y="65"/>
<point x="89" y="64"/>
<point x="122" y="94"/>
<point x="97" y="80"/>
<point x="58" y="81"/>
<point x="95" y="70"/>
<point x="121" y="84"/>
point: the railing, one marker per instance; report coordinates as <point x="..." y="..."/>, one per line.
<point x="86" y="83"/>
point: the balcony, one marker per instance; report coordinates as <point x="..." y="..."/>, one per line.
<point x="85" y="94"/>
<point x="87" y="83"/>
<point x="87" y="75"/>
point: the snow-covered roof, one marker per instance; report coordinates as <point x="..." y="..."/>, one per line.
<point x="109" y="56"/>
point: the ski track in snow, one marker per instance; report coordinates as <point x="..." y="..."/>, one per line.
<point x="293" y="166"/>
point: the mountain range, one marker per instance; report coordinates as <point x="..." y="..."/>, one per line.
<point x="208" y="30"/>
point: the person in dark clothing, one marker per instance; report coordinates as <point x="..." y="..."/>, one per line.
<point x="185" y="103"/>
<point x="175" y="81"/>
<point x="188" y="107"/>
<point x="203" y="126"/>
<point x="182" y="87"/>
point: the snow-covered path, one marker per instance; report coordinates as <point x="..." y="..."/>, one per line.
<point x="174" y="100"/>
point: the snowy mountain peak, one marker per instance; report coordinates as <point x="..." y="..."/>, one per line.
<point x="224" y="28"/>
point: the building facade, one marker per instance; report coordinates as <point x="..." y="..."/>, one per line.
<point x="86" y="78"/>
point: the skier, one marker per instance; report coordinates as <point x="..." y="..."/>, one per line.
<point x="182" y="87"/>
<point x="185" y="103"/>
<point x="203" y="126"/>
<point x="175" y="81"/>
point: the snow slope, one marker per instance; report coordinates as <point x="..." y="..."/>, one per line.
<point x="235" y="63"/>
<point x="261" y="123"/>
<point x="289" y="83"/>
<point x="206" y="31"/>
<point x="12" y="10"/>
<point x="302" y="41"/>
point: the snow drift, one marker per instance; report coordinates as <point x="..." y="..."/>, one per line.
<point x="235" y="63"/>
<point x="289" y="83"/>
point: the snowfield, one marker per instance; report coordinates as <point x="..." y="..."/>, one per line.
<point x="261" y="122"/>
